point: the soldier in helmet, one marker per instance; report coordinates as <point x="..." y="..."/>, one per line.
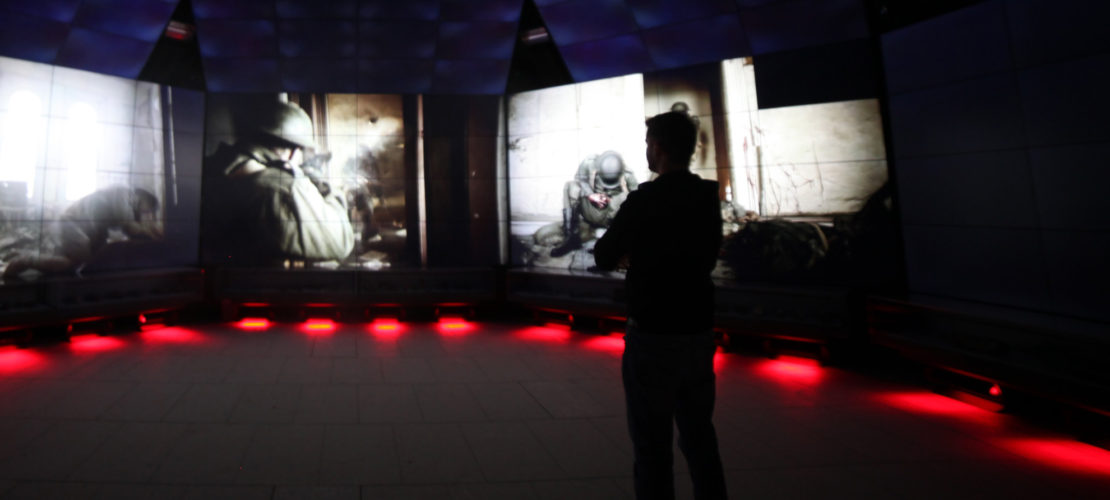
<point x="595" y="194"/>
<point x="262" y="208"/>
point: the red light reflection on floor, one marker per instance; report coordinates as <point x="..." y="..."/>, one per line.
<point x="318" y="326"/>
<point x="253" y="324"/>
<point x="791" y="369"/>
<point x="719" y="361"/>
<point x="453" y="326"/>
<point x="93" y="343"/>
<point x="172" y="335"/>
<point x="930" y="403"/>
<point x="386" y="328"/>
<point x="14" y="360"/>
<point x="1059" y="453"/>
<point x="613" y="343"/>
<point x="547" y="333"/>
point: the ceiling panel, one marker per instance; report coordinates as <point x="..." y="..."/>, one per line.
<point x="476" y="40"/>
<point x="397" y="39"/>
<point x="328" y="39"/>
<point x="796" y="24"/>
<point x="609" y="57"/>
<point x="31" y="38"/>
<point x="311" y="9"/>
<point x="655" y="13"/>
<point x="140" y="19"/>
<point x="104" y="53"/>
<point x="577" y="21"/>
<point x="703" y="40"/>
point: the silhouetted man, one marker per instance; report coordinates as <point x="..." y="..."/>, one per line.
<point x="669" y="230"/>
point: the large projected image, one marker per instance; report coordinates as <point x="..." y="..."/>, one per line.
<point x="89" y="180"/>
<point x="801" y="188"/>
<point x="305" y="180"/>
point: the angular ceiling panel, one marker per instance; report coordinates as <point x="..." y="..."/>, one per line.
<point x="139" y="19"/>
<point x="427" y="10"/>
<point x="62" y="11"/>
<point x="32" y="38"/>
<point x="223" y="9"/>
<point x="237" y="38"/>
<point x="609" y="57"/>
<point x="476" y="40"/>
<point x="326" y="39"/>
<point x="655" y="13"/>
<point x="704" y="40"/>
<point x="397" y="39"/>
<point x="487" y="10"/>
<point x="104" y="53"/>
<point x="577" y="21"/>
<point x="796" y="24"/>
<point x="313" y="9"/>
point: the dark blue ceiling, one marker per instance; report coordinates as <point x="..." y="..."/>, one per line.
<point x="415" y="46"/>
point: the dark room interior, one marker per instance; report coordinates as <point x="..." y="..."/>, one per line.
<point x="345" y="249"/>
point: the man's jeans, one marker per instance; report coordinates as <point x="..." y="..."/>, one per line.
<point x="669" y="378"/>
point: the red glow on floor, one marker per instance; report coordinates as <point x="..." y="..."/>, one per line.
<point x="933" y="404"/>
<point x="172" y="335"/>
<point x="318" y="326"/>
<point x="1059" y="453"/>
<point x="791" y="369"/>
<point x="454" y="326"/>
<point x="719" y="361"/>
<point x="613" y="343"/>
<point x="93" y="343"/>
<point x="253" y="324"/>
<point x="14" y="360"/>
<point x="546" y="333"/>
<point x="385" y="328"/>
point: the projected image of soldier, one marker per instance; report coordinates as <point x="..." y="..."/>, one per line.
<point x="263" y="207"/>
<point x="594" y="196"/>
<point x="109" y="216"/>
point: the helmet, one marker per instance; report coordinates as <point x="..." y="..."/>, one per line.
<point x="287" y="123"/>
<point x="610" y="166"/>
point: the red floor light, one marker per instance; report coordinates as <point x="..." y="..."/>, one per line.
<point x="14" y="360"/>
<point x="791" y="369"/>
<point x="1060" y="453"/>
<point x="172" y="335"/>
<point x="385" y="328"/>
<point x="454" y="325"/>
<point x="719" y="361"/>
<point x="318" y="326"/>
<point x="93" y="343"/>
<point x="995" y="390"/>
<point x="613" y="343"/>
<point x="253" y="324"/>
<point x="546" y="333"/>
<point x="929" y="403"/>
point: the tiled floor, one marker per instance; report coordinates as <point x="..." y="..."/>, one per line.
<point x="488" y="410"/>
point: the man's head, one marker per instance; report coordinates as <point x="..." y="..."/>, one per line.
<point x="671" y="139"/>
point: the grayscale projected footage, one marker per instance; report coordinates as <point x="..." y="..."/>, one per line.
<point x="802" y="188"/>
<point x="89" y="178"/>
<point x="304" y="181"/>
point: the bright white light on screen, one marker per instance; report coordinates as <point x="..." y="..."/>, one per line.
<point x="82" y="145"/>
<point x="21" y="139"/>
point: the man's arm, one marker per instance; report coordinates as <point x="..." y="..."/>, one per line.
<point x="614" y="244"/>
